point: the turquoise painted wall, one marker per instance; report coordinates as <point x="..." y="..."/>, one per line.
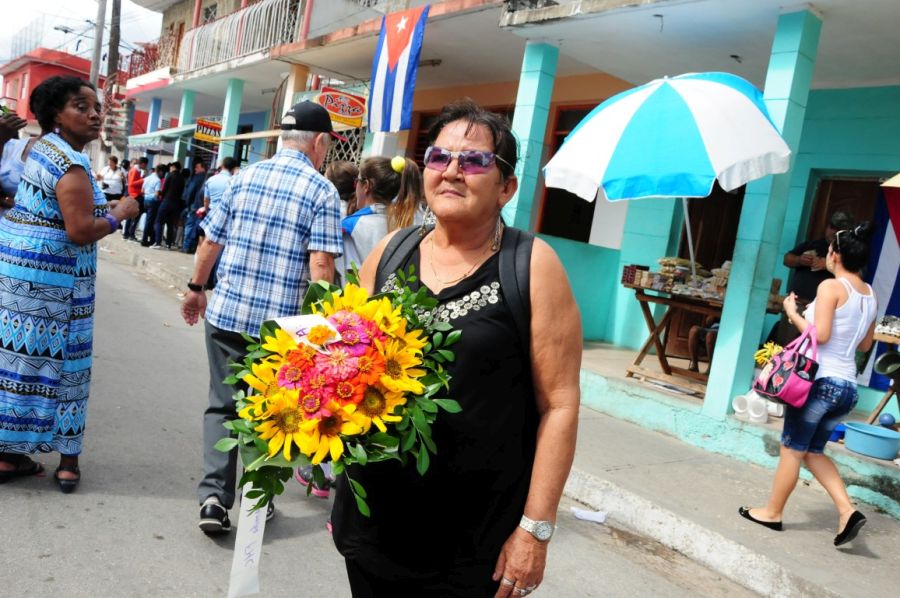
<point x="593" y="274"/>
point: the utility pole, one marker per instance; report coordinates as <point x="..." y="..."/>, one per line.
<point x="98" y="41"/>
<point x="112" y="110"/>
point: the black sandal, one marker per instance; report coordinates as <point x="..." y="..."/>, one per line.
<point x="67" y="486"/>
<point x="24" y="466"/>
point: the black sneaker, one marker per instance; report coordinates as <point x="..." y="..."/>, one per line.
<point x="214" y="517"/>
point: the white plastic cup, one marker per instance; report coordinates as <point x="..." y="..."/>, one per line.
<point x="775" y="409"/>
<point x="740" y="405"/>
<point x="757" y="410"/>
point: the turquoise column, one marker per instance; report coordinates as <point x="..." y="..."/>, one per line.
<point x="230" y="115"/>
<point x="185" y="117"/>
<point x="155" y="113"/>
<point x="529" y="126"/>
<point x="652" y="230"/>
<point x="765" y="205"/>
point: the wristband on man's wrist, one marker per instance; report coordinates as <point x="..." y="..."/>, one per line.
<point x="113" y="222"/>
<point x="197" y="288"/>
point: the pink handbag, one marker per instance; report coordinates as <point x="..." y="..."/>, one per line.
<point x="789" y="376"/>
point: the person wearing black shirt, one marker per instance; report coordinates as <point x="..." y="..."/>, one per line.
<point x="171" y="207"/>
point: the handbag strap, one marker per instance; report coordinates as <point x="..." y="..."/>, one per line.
<point x="808" y="335"/>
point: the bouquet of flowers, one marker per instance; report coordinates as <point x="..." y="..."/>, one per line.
<point x="353" y="380"/>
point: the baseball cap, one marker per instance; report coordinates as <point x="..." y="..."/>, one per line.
<point x="309" y="116"/>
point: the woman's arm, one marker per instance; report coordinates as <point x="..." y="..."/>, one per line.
<point x="556" y="346"/>
<point x="827" y="296"/>
<point x="76" y="202"/>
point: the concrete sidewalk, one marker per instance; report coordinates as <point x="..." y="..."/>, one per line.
<point x="683" y="496"/>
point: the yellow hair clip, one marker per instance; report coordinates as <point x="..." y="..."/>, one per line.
<point x="398" y="163"/>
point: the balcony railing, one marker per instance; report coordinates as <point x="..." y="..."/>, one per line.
<point x="160" y="54"/>
<point x="258" y="27"/>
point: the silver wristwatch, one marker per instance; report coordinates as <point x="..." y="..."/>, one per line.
<point x="541" y="530"/>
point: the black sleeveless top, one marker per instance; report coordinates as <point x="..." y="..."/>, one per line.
<point x="471" y="498"/>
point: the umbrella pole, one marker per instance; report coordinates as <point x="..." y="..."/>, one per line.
<point x="690" y="239"/>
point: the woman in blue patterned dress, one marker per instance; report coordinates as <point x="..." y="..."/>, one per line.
<point x="48" y="260"/>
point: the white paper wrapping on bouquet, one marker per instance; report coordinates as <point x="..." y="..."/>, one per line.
<point x="299" y="326"/>
<point x="247" y="549"/>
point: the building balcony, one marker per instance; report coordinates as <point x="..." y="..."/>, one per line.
<point x="163" y="53"/>
<point x="256" y="28"/>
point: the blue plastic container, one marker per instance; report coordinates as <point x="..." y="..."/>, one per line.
<point x="838" y="432"/>
<point x="874" y="441"/>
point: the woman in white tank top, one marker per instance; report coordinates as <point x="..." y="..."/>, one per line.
<point x="844" y="315"/>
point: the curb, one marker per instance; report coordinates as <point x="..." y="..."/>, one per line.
<point x="143" y="263"/>
<point x="728" y="558"/>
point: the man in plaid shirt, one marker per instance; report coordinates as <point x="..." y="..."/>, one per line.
<point x="277" y="227"/>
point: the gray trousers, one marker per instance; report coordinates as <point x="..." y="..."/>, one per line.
<point x="219" y="469"/>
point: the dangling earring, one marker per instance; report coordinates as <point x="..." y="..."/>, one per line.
<point x="56" y="130"/>
<point x="498" y="235"/>
<point x="427" y="221"/>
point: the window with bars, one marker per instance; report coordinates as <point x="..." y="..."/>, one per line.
<point x="349" y="150"/>
<point x="209" y="14"/>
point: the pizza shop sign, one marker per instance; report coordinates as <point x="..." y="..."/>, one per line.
<point x="343" y="107"/>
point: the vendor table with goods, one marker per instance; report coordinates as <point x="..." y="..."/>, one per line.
<point x="678" y="288"/>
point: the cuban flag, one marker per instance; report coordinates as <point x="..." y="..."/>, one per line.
<point x="883" y="270"/>
<point x="394" y="69"/>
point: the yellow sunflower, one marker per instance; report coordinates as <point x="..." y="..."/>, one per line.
<point x="263" y="383"/>
<point x="322" y="436"/>
<point x="414" y="340"/>
<point x="281" y="343"/>
<point x="351" y="298"/>
<point x="400" y="371"/>
<point x="377" y="407"/>
<point x="282" y="426"/>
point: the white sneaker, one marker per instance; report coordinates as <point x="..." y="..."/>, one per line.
<point x="156" y="246"/>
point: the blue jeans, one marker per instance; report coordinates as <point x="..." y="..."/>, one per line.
<point x="191" y="231"/>
<point x="808" y="428"/>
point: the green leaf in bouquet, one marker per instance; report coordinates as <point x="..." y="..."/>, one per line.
<point x="362" y="506"/>
<point x="359" y="452"/>
<point x="231" y="380"/>
<point x="403" y="424"/>
<point x="422" y="462"/>
<point x="255" y="493"/>
<point x="418" y="418"/>
<point x="357" y="488"/>
<point x="226" y="444"/>
<point x="448" y="355"/>
<point x="352" y="275"/>
<point x="428" y="442"/>
<point x="261" y="445"/>
<point x="448" y="405"/>
<point x="441" y="326"/>
<point x="453" y="337"/>
<point x="437" y="339"/>
<point x="409" y="440"/>
<point x="338" y="467"/>
<point x="242" y="426"/>
<point x="248" y="338"/>
<point x="427" y="405"/>
<point x="384" y="439"/>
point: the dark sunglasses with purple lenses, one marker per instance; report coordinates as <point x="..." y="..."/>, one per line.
<point x="469" y="161"/>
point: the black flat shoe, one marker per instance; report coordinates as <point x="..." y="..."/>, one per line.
<point x="774" y="525"/>
<point x="854" y="524"/>
<point x="24" y="466"/>
<point x="67" y="486"/>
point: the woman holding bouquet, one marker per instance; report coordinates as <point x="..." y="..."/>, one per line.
<point x="843" y="313"/>
<point x="479" y="521"/>
<point x="48" y="261"/>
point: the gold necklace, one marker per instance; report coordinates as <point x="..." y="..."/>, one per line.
<point x="447" y="283"/>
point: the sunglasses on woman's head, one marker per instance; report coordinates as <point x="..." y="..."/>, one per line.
<point x="837" y="239"/>
<point x="469" y="161"/>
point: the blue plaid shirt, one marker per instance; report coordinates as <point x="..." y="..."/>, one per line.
<point x="273" y="213"/>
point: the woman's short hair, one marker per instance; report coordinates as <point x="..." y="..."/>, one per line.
<point x="50" y="97"/>
<point x="505" y="144"/>
<point x="853" y="246"/>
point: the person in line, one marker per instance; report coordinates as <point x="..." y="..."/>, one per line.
<point x="112" y="179"/>
<point x="213" y="191"/>
<point x="170" y="208"/>
<point x="480" y="520"/>
<point x="277" y="226"/>
<point x="193" y="200"/>
<point x="152" y="192"/>
<point x="342" y="175"/>
<point x="48" y="262"/>
<point x="136" y="190"/>
<point x="843" y="312"/>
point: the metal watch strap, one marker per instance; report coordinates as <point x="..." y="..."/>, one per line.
<point x="541" y="530"/>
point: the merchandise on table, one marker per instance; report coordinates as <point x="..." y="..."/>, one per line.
<point x="889" y="325"/>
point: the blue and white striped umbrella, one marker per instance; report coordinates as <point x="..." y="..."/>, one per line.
<point x="672" y="137"/>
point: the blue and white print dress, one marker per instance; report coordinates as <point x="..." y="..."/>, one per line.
<point x="46" y="310"/>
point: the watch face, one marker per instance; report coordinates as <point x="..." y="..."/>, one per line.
<point x="543" y="530"/>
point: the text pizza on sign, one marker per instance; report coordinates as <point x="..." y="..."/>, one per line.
<point x="343" y="107"/>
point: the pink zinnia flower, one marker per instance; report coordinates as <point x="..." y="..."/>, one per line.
<point x="290" y="376"/>
<point x="337" y="365"/>
<point x="356" y="339"/>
